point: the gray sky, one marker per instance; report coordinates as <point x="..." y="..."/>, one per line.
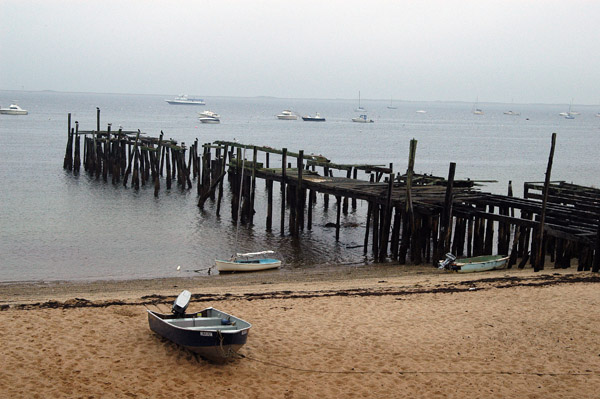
<point x="502" y="50"/>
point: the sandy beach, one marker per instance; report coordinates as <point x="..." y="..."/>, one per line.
<point x="369" y="332"/>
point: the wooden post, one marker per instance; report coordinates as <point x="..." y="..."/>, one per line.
<point x="375" y="218"/>
<point x="311" y="197"/>
<point x="283" y="178"/>
<point x="299" y="222"/>
<point x="98" y="119"/>
<point x="223" y="166"/>
<point x="354" y="176"/>
<point x="325" y="196"/>
<point x="77" y="159"/>
<point x="253" y="186"/>
<point x="369" y="211"/>
<point x="446" y="215"/>
<point x="395" y="241"/>
<point x="337" y="220"/>
<point x="269" y="223"/>
<point x="489" y="234"/>
<point x="539" y="259"/>
<point x="67" y="163"/>
<point x="387" y="219"/>
<point x="596" y="261"/>
<point x="409" y="223"/>
<point x="345" y="203"/>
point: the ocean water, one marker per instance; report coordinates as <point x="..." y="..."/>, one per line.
<point x="57" y="226"/>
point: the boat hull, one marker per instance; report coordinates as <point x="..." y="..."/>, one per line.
<point x="311" y="119"/>
<point x="186" y="102"/>
<point x="216" y="343"/>
<point x="209" y="120"/>
<point x="287" y="117"/>
<point x="479" y="264"/>
<point x="13" y="111"/>
<point x="247" y="266"/>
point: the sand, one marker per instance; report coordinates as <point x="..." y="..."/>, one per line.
<point x="375" y="332"/>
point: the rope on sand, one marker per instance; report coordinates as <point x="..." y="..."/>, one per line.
<point x="401" y="372"/>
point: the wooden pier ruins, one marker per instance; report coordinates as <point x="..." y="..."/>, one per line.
<point x="411" y="218"/>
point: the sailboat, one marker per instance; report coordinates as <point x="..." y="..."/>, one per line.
<point x="251" y="261"/>
<point x="359" y="109"/>
<point x="477" y="110"/>
<point x="570" y="114"/>
<point x="391" y="106"/>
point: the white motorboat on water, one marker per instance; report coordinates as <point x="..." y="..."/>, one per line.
<point x="362" y="119"/>
<point x="512" y="113"/>
<point x="209" y="117"/>
<point x="287" y="115"/>
<point x="316" y="118"/>
<point x="183" y="99"/>
<point x="13" y="109"/>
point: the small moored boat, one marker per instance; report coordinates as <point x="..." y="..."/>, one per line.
<point x="316" y="118"/>
<point x="475" y="264"/>
<point x="248" y="262"/>
<point x="13" y="109"/>
<point x="211" y="333"/>
<point x="362" y="119"/>
<point x="209" y="117"/>
<point x="287" y="115"/>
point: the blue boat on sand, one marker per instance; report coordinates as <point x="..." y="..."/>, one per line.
<point x="214" y="335"/>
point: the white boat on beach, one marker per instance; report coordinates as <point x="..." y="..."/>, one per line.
<point x="248" y="262"/>
<point x="209" y="117"/>
<point x="287" y="115"/>
<point x="183" y="99"/>
<point x="251" y="261"/>
<point x="475" y="264"/>
<point x="13" y="109"/>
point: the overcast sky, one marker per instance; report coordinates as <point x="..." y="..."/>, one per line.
<point x="503" y="50"/>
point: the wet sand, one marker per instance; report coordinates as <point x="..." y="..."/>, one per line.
<point x="368" y="332"/>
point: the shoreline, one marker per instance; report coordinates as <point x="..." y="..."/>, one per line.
<point x="383" y="331"/>
<point x="315" y="280"/>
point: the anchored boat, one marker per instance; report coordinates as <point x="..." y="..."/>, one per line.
<point x="316" y="118"/>
<point x="13" y="109"/>
<point x="475" y="264"/>
<point x="249" y="262"/>
<point x="183" y="99"/>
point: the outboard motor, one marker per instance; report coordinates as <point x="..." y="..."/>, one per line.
<point x="449" y="259"/>
<point x="181" y="303"/>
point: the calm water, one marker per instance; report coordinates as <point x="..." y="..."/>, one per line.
<point x="56" y="226"/>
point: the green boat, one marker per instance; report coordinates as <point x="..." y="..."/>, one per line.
<point x="475" y="264"/>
